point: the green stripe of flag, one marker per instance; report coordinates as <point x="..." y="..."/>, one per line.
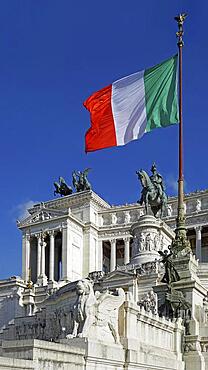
<point x="161" y="94"/>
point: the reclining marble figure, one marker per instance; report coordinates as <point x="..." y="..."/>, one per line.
<point x="96" y="311"/>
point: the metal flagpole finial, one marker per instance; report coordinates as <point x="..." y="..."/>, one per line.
<point x="180" y="20"/>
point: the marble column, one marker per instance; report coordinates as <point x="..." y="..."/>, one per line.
<point x="66" y="253"/>
<point x="38" y="254"/>
<point x="42" y="279"/>
<point x="126" y="250"/>
<point x="43" y="245"/>
<point x="100" y="255"/>
<point x="198" y="243"/>
<point x="25" y="256"/>
<point x="51" y="260"/>
<point x="113" y="255"/>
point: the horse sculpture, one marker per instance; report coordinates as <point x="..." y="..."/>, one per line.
<point x="151" y="196"/>
<point x="80" y="181"/>
<point x="62" y="188"/>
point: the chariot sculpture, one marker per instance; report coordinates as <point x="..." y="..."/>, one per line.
<point x="62" y="188"/>
<point x="79" y="180"/>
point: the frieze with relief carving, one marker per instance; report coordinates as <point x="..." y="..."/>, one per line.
<point x="148" y="268"/>
<point x="147" y="241"/>
<point x="149" y="302"/>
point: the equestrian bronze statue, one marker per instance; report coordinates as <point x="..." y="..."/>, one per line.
<point x="153" y="191"/>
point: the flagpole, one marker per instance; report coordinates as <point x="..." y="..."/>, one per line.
<point x="181" y="237"/>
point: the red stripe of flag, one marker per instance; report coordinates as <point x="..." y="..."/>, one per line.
<point x="102" y="133"/>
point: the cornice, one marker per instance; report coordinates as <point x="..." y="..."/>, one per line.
<point x="115" y="234"/>
<point x="171" y="200"/>
<point x="192" y="219"/>
<point x="29" y="221"/>
<point x="72" y="200"/>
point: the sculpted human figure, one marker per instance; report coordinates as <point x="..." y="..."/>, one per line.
<point x="198" y="205"/>
<point x="169" y="210"/>
<point x="149" y="242"/>
<point x="157" y="180"/>
<point x="114" y="218"/>
<point x="80" y="181"/>
<point x="171" y="275"/>
<point x="141" y="242"/>
<point x="157" y="242"/>
<point x="127" y="217"/>
<point x="153" y="191"/>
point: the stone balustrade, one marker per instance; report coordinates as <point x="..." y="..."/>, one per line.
<point x="119" y="215"/>
<point x="149" y="329"/>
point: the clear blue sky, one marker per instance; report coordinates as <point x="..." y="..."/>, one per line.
<point x="53" y="55"/>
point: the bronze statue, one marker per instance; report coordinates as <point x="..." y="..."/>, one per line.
<point x="157" y="180"/>
<point x="175" y="305"/>
<point x="153" y="191"/>
<point x="171" y="275"/>
<point x="62" y="188"/>
<point x="80" y="181"/>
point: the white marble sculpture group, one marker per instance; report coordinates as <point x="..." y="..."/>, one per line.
<point x="96" y="312"/>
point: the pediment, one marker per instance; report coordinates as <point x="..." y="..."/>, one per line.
<point x="42" y="214"/>
<point x="118" y="275"/>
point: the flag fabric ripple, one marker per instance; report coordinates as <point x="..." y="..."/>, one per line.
<point x="132" y="106"/>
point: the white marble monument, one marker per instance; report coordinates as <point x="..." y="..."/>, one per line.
<point x="91" y="288"/>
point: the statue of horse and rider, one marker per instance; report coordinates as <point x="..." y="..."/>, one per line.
<point x="79" y="180"/>
<point x="153" y="191"/>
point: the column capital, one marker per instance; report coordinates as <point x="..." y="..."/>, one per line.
<point x="198" y="228"/>
<point x="51" y="233"/>
<point x="26" y="236"/>
<point x="127" y="239"/>
<point x="37" y="235"/>
<point x="64" y="225"/>
<point x="112" y="241"/>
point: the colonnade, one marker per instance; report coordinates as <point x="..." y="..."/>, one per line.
<point x="198" y="248"/>
<point x="34" y="256"/>
<point x="113" y="247"/>
<point x="59" y="255"/>
<point x="199" y="234"/>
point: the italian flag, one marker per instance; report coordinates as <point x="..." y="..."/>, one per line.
<point x="132" y="106"/>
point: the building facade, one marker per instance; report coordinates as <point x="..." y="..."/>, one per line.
<point x="78" y="251"/>
<point x="67" y="238"/>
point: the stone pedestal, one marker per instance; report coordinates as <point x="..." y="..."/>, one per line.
<point x="193" y="355"/>
<point x="150" y="236"/>
<point x="98" y="354"/>
<point x="52" y="285"/>
<point x="29" y="301"/>
<point x="192" y="288"/>
<point x="42" y="280"/>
